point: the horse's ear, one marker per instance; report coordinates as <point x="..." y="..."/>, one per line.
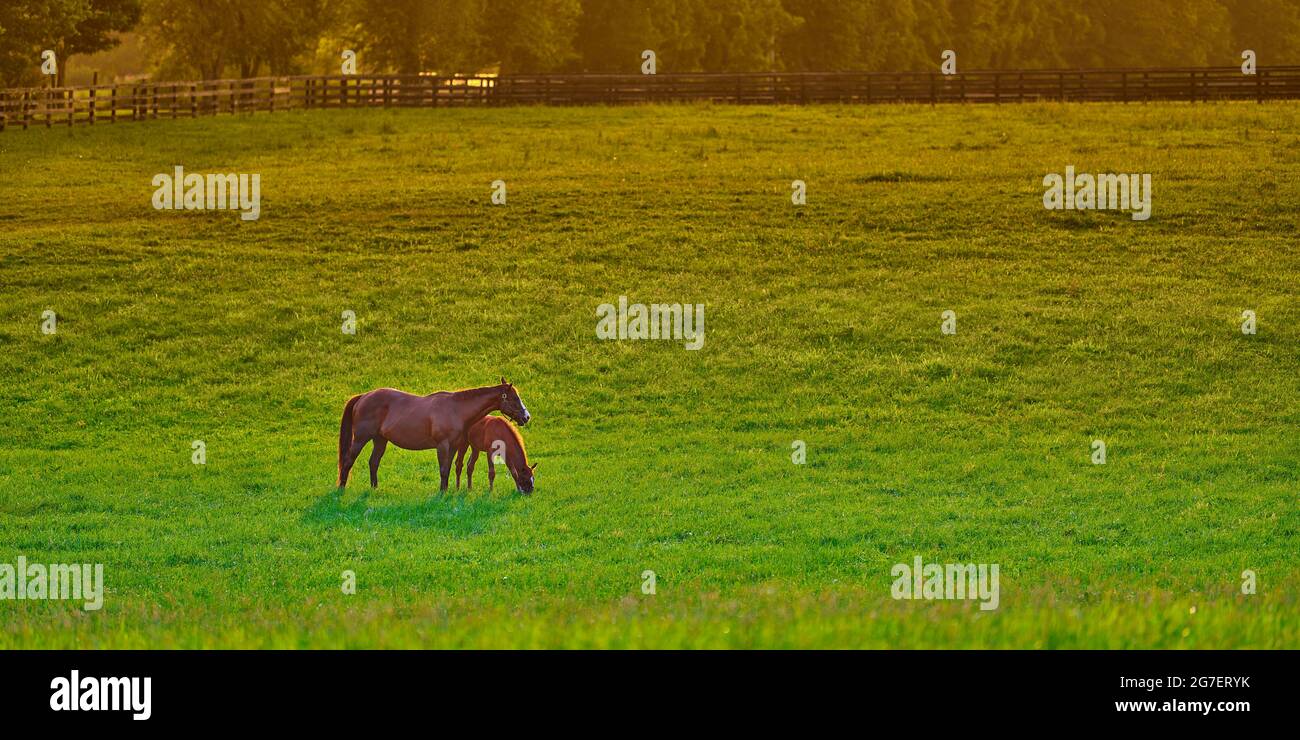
<point x="503" y="380"/>
<point x="533" y="466"/>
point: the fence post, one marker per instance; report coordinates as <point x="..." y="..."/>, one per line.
<point x="1259" y="85"/>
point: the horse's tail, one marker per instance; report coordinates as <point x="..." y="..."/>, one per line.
<point x="345" y="434"/>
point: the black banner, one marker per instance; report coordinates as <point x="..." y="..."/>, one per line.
<point x="959" y="689"/>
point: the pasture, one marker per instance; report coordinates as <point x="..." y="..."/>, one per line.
<point x="822" y="325"/>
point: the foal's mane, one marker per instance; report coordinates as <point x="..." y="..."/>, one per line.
<point x="514" y="432"/>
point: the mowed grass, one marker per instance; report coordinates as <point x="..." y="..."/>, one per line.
<point x="822" y="325"/>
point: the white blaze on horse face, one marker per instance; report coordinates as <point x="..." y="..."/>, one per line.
<point x="524" y="408"/>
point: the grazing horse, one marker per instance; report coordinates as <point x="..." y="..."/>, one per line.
<point x="492" y="434"/>
<point x="436" y="421"/>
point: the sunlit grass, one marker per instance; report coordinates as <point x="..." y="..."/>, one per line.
<point x="822" y="326"/>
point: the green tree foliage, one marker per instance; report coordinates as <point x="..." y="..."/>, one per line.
<point x="531" y="35"/>
<point x="1270" y="27"/>
<point x="412" y="36"/>
<point x="243" y="38"/>
<point x="862" y="36"/>
<point x="216" y="38"/>
<point x="686" y="35"/>
<point x="66" y="27"/>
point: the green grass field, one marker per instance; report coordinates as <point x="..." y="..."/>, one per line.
<point x="822" y="325"/>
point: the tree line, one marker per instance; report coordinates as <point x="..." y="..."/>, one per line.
<point x="189" y="39"/>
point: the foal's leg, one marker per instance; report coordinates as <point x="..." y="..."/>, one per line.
<point x="469" y="481"/>
<point x="376" y="452"/>
<point x="492" y="473"/>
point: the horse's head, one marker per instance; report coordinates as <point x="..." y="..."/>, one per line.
<point x="524" y="478"/>
<point x="511" y="405"/>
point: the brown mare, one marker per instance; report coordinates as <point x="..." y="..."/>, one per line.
<point x="439" y="420"/>
<point x="493" y="435"/>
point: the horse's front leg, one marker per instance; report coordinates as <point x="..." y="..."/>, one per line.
<point x="444" y="463"/>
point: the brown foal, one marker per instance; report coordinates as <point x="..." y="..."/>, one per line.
<point x="436" y="421"/>
<point x="495" y="435"/>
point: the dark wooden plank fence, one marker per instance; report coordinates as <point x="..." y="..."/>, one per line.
<point x="68" y="106"/>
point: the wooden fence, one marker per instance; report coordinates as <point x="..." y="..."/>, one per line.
<point x="22" y="108"/>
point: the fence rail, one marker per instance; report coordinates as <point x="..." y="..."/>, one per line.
<point x="134" y="101"/>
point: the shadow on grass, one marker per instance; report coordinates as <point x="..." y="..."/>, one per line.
<point x="454" y="513"/>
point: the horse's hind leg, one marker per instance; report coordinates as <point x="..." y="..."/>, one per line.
<point x="363" y="431"/>
<point x="376" y="453"/>
<point x="350" y="459"/>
